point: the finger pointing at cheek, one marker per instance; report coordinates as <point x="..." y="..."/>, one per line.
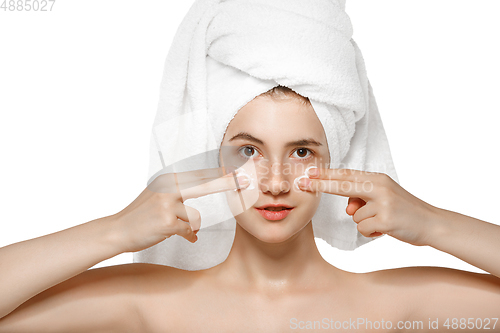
<point x="338" y="187"/>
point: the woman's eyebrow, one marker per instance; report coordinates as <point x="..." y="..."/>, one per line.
<point x="251" y="138"/>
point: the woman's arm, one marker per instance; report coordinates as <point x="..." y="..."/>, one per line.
<point x="32" y="266"/>
<point x="379" y="205"/>
<point x="472" y="240"/>
<point x="450" y="298"/>
<point x="45" y="284"/>
<point x="98" y="300"/>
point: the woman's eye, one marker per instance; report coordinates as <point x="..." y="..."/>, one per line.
<point x="248" y="152"/>
<point x="303" y="153"/>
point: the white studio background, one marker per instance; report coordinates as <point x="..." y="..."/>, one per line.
<point x="79" y="86"/>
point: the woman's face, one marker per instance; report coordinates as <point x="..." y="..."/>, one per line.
<point x="274" y="141"/>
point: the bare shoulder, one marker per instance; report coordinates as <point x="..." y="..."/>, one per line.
<point x="160" y="278"/>
<point x="96" y="300"/>
<point x="439" y="292"/>
<point x="419" y="278"/>
<point x="406" y="275"/>
<point x="165" y="296"/>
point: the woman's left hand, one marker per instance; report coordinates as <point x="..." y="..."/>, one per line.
<point x="377" y="204"/>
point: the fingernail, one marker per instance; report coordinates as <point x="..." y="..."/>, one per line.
<point x="312" y="171"/>
<point x="297" y="182"/>
<point x="243" y="181"/>
<point x="304" y="182"/>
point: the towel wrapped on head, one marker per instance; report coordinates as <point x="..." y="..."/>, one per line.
<point x="224" y="54"/>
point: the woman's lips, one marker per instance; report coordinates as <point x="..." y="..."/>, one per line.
<point x="274" y="215"/>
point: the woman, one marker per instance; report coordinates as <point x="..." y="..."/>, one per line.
<point x="274" y="278"/>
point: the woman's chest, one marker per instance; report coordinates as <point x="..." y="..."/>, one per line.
<point x="225" y="311"/>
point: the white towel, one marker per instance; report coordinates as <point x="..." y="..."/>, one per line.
<point x="224" y="54"/>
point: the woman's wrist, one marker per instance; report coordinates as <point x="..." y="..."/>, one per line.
<point x="441" y="226"/>
<point x="112" y="234"/>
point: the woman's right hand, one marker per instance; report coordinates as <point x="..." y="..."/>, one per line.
<point x="159" y="211"/>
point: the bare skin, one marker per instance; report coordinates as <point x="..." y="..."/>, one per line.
<point x="274" y="279"/>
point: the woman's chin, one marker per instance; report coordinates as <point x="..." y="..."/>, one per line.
<point x="274" y="238"/>
<point x="273" y="234"/>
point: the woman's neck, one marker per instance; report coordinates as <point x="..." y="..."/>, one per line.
<point x="278" y="267"/>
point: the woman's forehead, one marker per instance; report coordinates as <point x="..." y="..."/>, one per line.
<point x="280" y="120"/>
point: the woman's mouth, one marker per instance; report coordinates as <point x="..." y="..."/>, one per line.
<point x="274" y="213"/>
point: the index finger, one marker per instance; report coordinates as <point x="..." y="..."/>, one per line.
<point x="174" y="182"/>
<point x="362" y="190"/>
<point x="225" y="183"/>
<point x="351" y="175"/>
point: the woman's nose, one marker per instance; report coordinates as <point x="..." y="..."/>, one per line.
<point x="274" y="180"/>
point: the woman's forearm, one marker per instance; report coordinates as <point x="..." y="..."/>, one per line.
<point x="32" y="266"/>
<point x="472" y="240"/>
